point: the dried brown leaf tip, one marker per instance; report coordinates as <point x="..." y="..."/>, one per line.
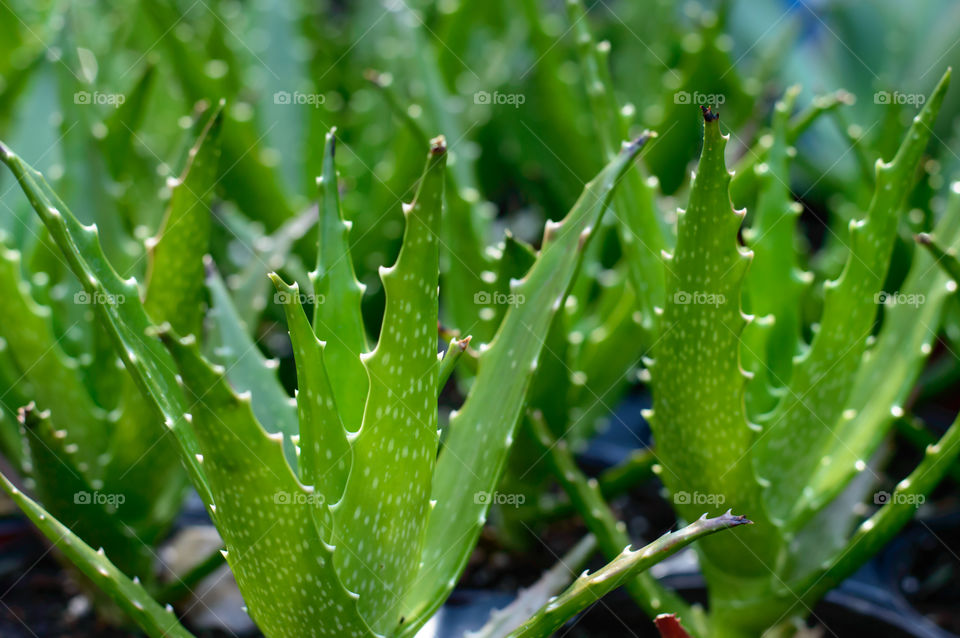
<point x="708" y="114"/>
<point x="438" y="145"/>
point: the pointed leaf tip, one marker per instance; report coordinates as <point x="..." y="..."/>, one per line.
<point x="708" y="114"/>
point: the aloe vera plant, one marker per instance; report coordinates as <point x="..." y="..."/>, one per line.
<point x="100" y="461"/>
<point x="364" y="529"/>
<point x="748" y="415"/>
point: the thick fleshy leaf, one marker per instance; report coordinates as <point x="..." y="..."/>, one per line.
<point x="156" y="621"/>
<point x="40" y="360"/>
<point x="589" y="588"/>
<point x="87" y="509"/>
<point x="481" y="433"/>
<point x="382" y="516"/>
<point x="118" y="307"/>
<point x="175" y="275"/>
<point x="142" y="456"/>
<point x="336" y="316"/>
<point x="773" y="285"/>
<point x="889" y="370"/>
<point x="247" y="369"/>
<point x="799" y="432"/>
<point x="325" y="455"/>
<point x="264" y="514"/>
<point x="702" y="435"/>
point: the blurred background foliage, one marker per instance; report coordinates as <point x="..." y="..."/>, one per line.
<point x="500" y="79"/>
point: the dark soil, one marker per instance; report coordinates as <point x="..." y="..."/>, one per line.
<point x="35" y="594"/>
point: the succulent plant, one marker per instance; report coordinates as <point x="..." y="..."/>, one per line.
<point x="365" y="528"/>
<point x="747" y="415"/>
<point x="99" y="460"/>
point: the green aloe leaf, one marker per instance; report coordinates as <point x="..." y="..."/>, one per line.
<point x="155" y="620"/>
<point x="879" y="529"/>
<point x="774" y="284"/>
<point x="455" y="349"/>
<point x="231" y="346"/>
<point x="946" y="258"/>
<point x="143" y="460"/>
<point x="482" y="431"/>
<point x="278" y="544"/>
<point x="612" y="537"/>
<point x="634" y="204"/>
<point x="65" y="491"/>
<point x="337" y="319"/>
<point x="40" y="360"/>
<point x="395" y="449"/>
<point x="175" y="273"/>
<point x="801" y="428"/>
<point x="890" y="369"/>
<point x="589" y="588"/>
<point x="698" y="385"/>
<point x="325" y="455"/>
<point x="530" y="600"/>
<point x="118" y="308"/>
